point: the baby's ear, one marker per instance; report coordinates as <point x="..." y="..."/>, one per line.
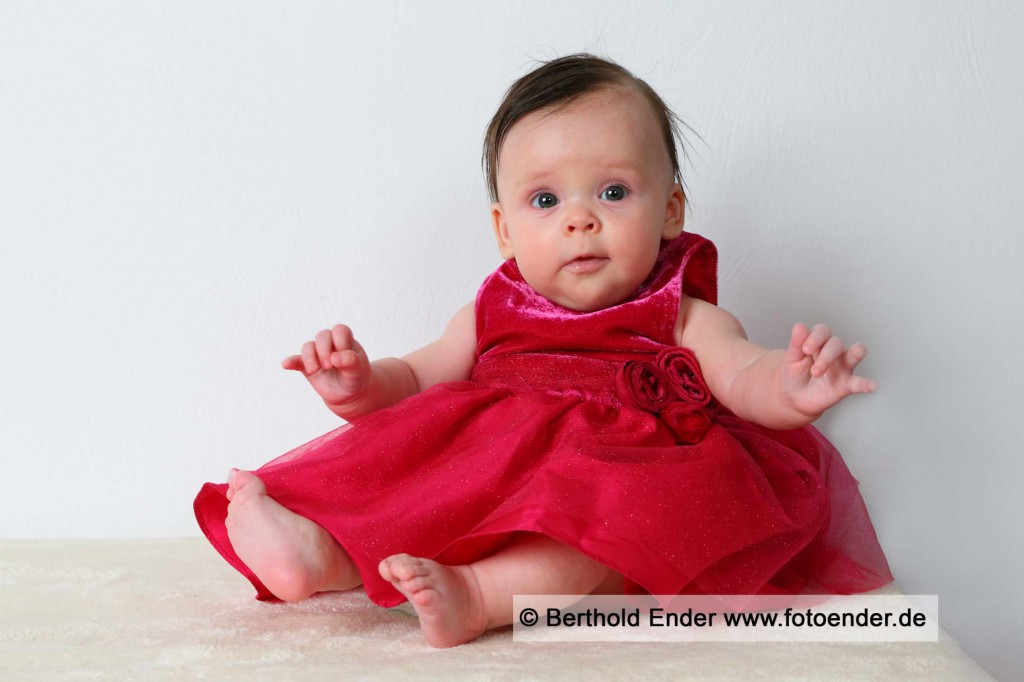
<point x="501" y="231"/>
<point x="675" y="212"/>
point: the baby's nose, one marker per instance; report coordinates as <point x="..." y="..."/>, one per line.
<point x="581" y="219"/>
<point x="585" y="225"/>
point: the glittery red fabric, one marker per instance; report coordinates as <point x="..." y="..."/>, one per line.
<point x="540" y="440"/>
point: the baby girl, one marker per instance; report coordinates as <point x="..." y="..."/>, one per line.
<point x="591" y="423"/>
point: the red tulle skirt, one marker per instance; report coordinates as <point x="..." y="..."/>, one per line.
<point x="455" y="472"/>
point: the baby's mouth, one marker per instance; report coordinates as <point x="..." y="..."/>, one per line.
<point x="586" y="264"/>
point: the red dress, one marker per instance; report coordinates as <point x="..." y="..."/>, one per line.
<point x="593" y="429"/>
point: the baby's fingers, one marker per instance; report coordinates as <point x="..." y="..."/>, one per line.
<point x="348" y="351"/>
<point x="854" y="355"/>
<point x="293" y="362"/>
<point x="851" y="359"/>
<point x="816" y="339"/>
<point x="307" y="363"/>
<point x="310" y="360"/>
<point x="342" y="336"/>
<point x="831" y="351"/>
<point x="345" y="360"/>
<point x="862" y="385"/>
<point x="797" y="337"/>
<point x="326" y="344"/>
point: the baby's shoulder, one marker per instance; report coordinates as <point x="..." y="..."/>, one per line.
<point x="700" y="321"/>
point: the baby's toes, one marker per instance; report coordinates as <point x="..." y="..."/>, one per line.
<point x="413" y="569"/>
<point x="231" y="483"/>
<point x="428" y="596"/>
<point x="417" y="584"/>
<point x="246" y="480"/>
<point x="244" y="485"/>
<point x="401" y="567"/>
<point x="386" y="568"/>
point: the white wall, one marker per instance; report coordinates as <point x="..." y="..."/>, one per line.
<point x="190" y="190"/>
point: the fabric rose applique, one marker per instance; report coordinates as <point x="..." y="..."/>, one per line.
<point x="672" y="387"/>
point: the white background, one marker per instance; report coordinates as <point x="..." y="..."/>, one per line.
<point x="190" y="190"/>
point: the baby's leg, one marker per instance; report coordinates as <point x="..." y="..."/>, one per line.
<point x="457" y="604"/>
<point x="293" y="556"/>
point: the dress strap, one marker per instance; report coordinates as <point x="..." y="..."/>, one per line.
<point x="699" y="267"/>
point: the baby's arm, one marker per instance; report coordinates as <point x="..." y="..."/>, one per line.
<point x="352" y="387"/>
<point x="451" y="357"/>
<point x="780" y="389"/>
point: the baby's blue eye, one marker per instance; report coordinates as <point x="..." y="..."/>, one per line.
<point x="615" y="193"/>
<point x="544" y="200"/>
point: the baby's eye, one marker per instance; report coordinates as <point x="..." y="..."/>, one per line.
<point x="615" y="193"/>
<point x="544" y="200"/>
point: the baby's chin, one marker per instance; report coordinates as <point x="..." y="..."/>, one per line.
<point x="584" y="304"/>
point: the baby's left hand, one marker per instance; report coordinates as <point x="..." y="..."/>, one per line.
<point x="817" y="370"/>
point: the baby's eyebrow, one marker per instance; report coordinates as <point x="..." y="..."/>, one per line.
<point x="544" y="175"/>
<point x="534" y="177"/>
<point x="623" y="165"/>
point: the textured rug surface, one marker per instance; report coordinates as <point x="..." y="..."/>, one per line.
<point x="172" y="609"/>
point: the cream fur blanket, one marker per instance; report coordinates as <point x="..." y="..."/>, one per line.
<point x="172" y="609"/>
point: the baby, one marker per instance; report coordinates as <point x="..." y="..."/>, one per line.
<point x="565" y="363"/>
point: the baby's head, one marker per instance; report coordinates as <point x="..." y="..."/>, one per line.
<point x="582" y="169"/>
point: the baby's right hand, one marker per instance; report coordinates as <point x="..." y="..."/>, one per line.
<point x="335" y="365"/>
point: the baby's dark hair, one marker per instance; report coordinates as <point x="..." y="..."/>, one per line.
<point x="559" y="82"/>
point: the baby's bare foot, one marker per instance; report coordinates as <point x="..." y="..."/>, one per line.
<point x="291" y="555"/>
<point x="446" y="598"/>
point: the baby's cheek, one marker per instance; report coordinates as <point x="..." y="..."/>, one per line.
<point x="537" y="278"/>
<point x="637" y="269"/>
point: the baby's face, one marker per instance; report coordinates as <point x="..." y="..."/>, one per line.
<point x="585" y="197"/>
